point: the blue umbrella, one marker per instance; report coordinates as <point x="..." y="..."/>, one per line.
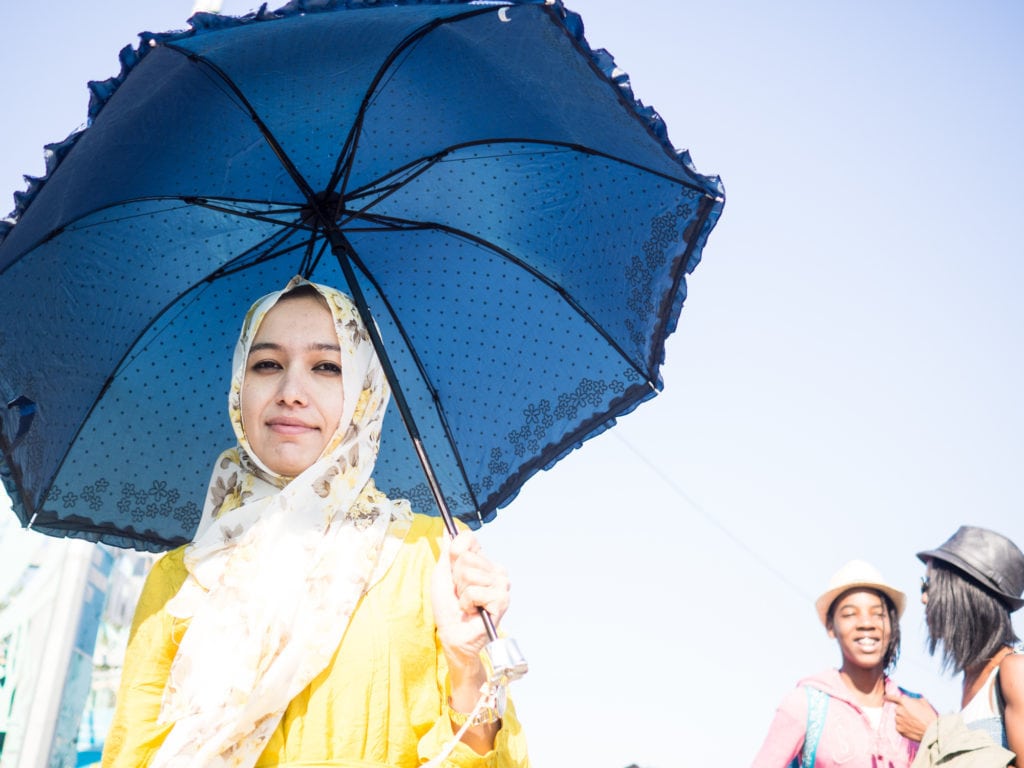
<point x="481" y="181"/>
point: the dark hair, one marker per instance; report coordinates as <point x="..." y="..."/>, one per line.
<point x="892" y="651"/>
<point x="970" y="622"/>
<point x="303" y="290"/>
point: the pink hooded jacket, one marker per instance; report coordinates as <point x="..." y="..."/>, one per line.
<point x="847" y="740"/>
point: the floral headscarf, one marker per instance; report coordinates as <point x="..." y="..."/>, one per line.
<point x="278" y="564"/>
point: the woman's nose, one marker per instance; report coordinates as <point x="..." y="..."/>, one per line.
<point x="292" y="388"/>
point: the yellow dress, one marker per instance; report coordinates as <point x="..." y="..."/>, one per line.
<point x="380" y="702"/>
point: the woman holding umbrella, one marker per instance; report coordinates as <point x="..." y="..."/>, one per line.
<point x="312" y="620"/>
<point x="840" y="717"/>
<point x="972" y="584"/>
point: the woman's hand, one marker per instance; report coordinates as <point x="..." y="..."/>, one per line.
<point x="913" y="715"/>
<point x="465" y="580"/>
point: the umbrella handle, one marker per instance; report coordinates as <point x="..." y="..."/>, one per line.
<point x="503" y="660"/>
<point x="446" y="515"/>
<point x="492" y="632"/>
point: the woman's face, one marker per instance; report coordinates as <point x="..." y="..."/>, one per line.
<point x="291" y="397"/>
<point x="860" y="623"/>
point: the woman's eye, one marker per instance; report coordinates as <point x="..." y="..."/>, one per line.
<point x="265" y="365"/>
<point x="328" y="367"/>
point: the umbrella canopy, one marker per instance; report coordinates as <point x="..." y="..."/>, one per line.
<point x="518" y="226"/>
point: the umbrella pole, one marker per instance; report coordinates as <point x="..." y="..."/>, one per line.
<point x="340" y="250"/>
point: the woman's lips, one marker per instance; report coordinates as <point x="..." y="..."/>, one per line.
<point x="289" y="426"/>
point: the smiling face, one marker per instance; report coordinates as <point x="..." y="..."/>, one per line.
<point x="860" y="623"/>
<point x="291" y="395"/>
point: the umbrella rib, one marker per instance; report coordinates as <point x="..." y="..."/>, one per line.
<point x="343" y="167"/>
<point x="7" y="453"/>
<point x="205" y="202"/>
<point x="704" y="209"/>
<point x="268" y="136"/>
<point x="395" y="223"/>
<point x="395" y="178"/>
<point x="236" y="265"/>
<point x="625" y="95"/>
<point x="423" y="164"/>
<point x="309" y="263"/>
<point x="73" y="225"/>
<point x="340" y="175"/>
<point x="348" y="253"/>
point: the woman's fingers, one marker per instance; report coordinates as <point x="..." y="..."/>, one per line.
<point x="477" y="580"/>
<point x="491" y="596"/>
<point x="464" y="542"/>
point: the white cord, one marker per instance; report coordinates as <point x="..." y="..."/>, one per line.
<point x="488" y="695"/>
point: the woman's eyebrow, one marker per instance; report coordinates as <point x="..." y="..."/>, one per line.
<point x="263" y="345"/>
<point x="317" y="346"/>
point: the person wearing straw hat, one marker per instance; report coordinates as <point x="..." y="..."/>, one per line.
<point x="973" y="583"/>
<point x="841" y="717"/>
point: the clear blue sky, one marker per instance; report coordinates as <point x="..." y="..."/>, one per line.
<point x="846" y="378"/>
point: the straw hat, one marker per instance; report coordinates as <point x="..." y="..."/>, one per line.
<point x="853" y="575"/>
<point x="988" y="557"/>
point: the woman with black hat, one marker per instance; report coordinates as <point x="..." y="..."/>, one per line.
<point x="973" y="583"/>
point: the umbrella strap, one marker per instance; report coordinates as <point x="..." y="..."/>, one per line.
<point x="489" y="693"/>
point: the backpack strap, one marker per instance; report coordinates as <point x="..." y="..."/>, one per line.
<point x="817" y="708"/>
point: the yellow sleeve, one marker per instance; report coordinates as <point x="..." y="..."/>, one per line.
<point x="509" y="745"/>
<point x="134" y="735"/>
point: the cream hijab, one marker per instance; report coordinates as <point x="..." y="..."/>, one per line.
<point x="278" y="564"/>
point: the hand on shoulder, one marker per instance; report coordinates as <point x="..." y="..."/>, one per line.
<point x="913" y="715"/>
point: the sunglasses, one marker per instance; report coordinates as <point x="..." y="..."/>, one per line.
<point x="925" y="583"/>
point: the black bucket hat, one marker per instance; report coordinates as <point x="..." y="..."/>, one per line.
<point x="988" y="557"/>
